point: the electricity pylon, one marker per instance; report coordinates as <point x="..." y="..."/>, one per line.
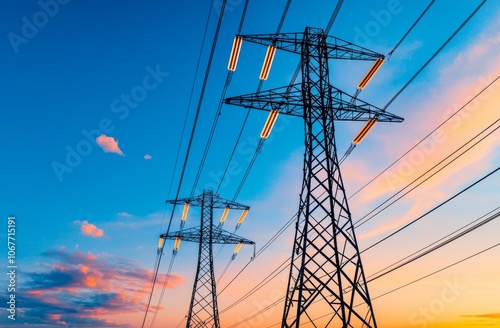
<point x="327" y="286"/>
<point x="203" y="311"/>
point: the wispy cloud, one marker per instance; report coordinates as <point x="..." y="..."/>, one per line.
<point x="109" y="144"/>
<point x="147" y="157"/>
<point x="485" y="316"/>
<point x="130" y="221"/>
<point x="80" y="289"/>
<point x="89" y="229"/>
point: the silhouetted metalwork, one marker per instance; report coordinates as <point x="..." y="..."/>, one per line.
<point x="203" y="311"/>
<point x="327" y="285"/>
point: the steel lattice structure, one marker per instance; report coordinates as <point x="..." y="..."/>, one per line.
<point x="203" y="310"/>
<point x="327" y="285"/>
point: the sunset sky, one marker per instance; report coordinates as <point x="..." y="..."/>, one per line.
<point x="95" y="97"/>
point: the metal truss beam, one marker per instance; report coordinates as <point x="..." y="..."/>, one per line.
<point x="289" y="100"/>
<point x="294" y="42"/>
<point x="203" y="309"/>
<point x="327" y="285"/>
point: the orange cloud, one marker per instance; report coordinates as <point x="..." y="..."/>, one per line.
<point x="89" y="229"/>
<point x="95" y="285"/>
<point x="109" y="144"/>
<point x="57" y="319"/>
<point x="486" y="316"/>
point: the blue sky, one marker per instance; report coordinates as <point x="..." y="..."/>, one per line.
<point x="69" y="79"/>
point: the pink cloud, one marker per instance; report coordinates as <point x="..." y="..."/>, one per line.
<point x="147" y="156"/>
<point x="109" y="144"/>
<point x="89" y="229"/>
<point x="95" y="285"/>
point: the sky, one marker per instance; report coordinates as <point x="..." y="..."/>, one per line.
<point x="98" y="104"/>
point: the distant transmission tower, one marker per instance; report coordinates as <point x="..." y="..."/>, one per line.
<point x="203" y="311"/>
<point x="327" y="285"/>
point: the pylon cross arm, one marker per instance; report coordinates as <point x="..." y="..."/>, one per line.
<point x="289" y="100"/>
<point x="219" y="236"/>
<point x="217" y="201"/>
<point x="294" y="42"/>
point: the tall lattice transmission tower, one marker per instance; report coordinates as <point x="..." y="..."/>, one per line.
<point x="327" y="285"/>
<point x="203" y="311"/>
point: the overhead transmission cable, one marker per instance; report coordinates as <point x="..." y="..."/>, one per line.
<point x="437" y="271"/>
<point x="190" y="98"/>
<point x="214" y="125"/>
<point x="423" y="277"/>
<point x="158" y="256"/>
<point x="411" y="28"/>
<point x="217" y="112"/>
<point x="353" y="145"/>
<point x="252" y="291"/>
<point x="214" y="43"/>
<point x="425" y="137"/>
<point x="367" y="216"/>
<point x="434" y="56"/>
<point x="436" y="245"/>
<point x="358" y="90"/>
<point x="165" y="284"/>
<point x="397" y="265"/>
<point x="261" y="142"/>
<point x="260" y="145"/>
<point x="433" y="209"/>
<point x="153" y="283"/>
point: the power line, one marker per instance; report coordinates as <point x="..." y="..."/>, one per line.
<point x="437" y="271"/>
<point x="260" y="251"/>
<point x="217" y="112"/>
<point x="426" y="276"/>
<point x="190" y="97"/>
<point x="392" y="267"/>
<point x="361" y="221"/>
<point x="277" y="271"/>
<point x="165" y="284"/>
<point x="428" y="249"/>
<point x="198" y="109"/>
<point x="445" y="242"/>
<point x="422" y="140"/>
<point x="214" y="43"/>
<point x="411" y="28"/>
<point x="187" y="115"/>
<point x="435" y="54"/>
<point x="433" y="209"/>
<point x="226" y="169"/>
<point x="353" y="145"/>
<point x="153" y="282"/>
<point x="262" y="141"/>
<point x="258" y="287"/>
